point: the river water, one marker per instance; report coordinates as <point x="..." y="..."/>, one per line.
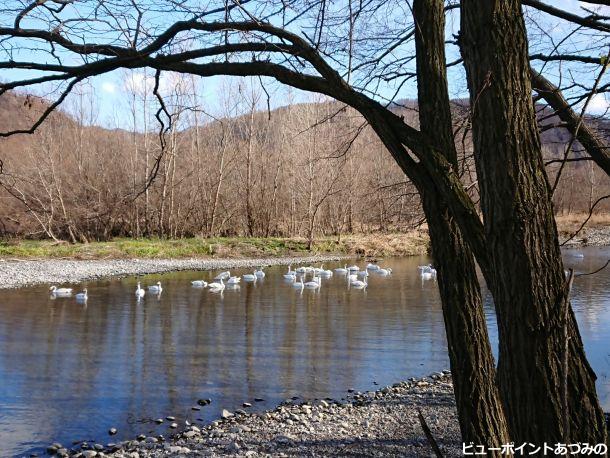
<point x="70" y="371"/>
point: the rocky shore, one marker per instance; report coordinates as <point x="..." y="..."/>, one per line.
<point x="382" y="423"/>
<point x="18" y="273"/>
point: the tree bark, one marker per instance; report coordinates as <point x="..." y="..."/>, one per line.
<point x="528" y="281"/>
<point x="478" y="402"/>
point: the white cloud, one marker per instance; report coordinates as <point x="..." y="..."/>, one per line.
<point x="598" y="104"/>
<point x="108" y="87"/>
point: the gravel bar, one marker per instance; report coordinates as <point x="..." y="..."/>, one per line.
<point x="382" y="423"/>
<point x="18" y="273"/>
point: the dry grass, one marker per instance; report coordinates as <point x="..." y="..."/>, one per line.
<point x="571" y="222"/>
<point x="398" y="244"/>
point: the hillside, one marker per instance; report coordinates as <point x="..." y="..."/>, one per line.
<point x="283" y="173"/>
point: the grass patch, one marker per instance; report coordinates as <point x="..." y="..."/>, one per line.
<point x="218" y="247"/>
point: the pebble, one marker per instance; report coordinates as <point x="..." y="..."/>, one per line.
<point x="32" y="272"/>
<point x="386" y="418"/>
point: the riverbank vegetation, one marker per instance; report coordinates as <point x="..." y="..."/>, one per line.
<point x="395" y="244"/>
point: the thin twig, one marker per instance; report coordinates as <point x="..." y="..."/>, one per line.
<point x="429" y="436"/>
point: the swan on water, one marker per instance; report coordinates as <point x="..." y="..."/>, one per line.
<point x="353" y="268"/>
<point x="384" y="272"/>
<point x="249" y="277"/>
<point x="223" y="275"/>
<point x="233" y="281"/>
<point x="60" y="291"/>
<point x="199" y="283"/>
<point x="155" y="288"/>
<point x="139" y="291"/>
<point x="298" y="284"/>
<point x="82" y="296"/>
<point x="259" y="273"/>
<point x="359" y="284"/>
<point x="217" y="286"/>
<point x="341" y="270"/>
<point x="291" y="274"/>
<point x="315" y="284"/>
<point x="370" y="266"/>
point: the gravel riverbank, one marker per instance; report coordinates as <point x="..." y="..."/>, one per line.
<point x="381" y="423"/>
<point x="17" y="273"/>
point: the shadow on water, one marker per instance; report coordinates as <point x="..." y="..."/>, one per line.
<point x="71" y="371"/>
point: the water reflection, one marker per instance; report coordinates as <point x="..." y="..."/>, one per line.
<point x="70" y="371"/>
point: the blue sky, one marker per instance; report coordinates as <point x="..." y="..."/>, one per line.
<point x="111" y="92"/>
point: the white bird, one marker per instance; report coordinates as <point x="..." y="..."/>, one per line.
<point x="426" y="276"/>
<point x="298" y="284"/>
<point x="318" y="270"/>
<point x="384" y="272"/>
<point x="249" y="277"/>
<point x="199" y="283"/>
<point x="363" y="273"/>
<point x="341" y="270"/>
<point x="259" y="273"/>
<point x="139" y="291"/>
<point x="370" y="266"/>
<point x="291" y="274"/>
<point x="233" y="281"/>
<point x="352" y="277"/>
<point x="60" y="291"/>
<point x="326" y="273"/>
<point x="82" y="296"/>
<point x="358" y="284"/>
<point x="155" y="288"/>
<point x="305" y="270"/>
<point x="216" y="286"/>
<point x="353" y="268"/>
<point x="315" y="284"/>
<point x="223" y="275"/>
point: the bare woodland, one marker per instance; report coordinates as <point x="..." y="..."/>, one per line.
<point x="304" y="169"/>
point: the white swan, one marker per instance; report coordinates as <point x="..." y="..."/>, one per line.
<point x="341" y="270"/>
<point x="291" y="274"/>
<point x="305" y="270"/>
<point x="318" y="270"/>
<point x="426" y="276"/>
<point x="82" y="296"/>
<point x="384" y="272"/>
<point x="363" y="273"/>
<point x="370" y="266"/>
<point x="216" y="286"/>
<point x="259" y="273"/>
<point x="233" y="281"/>
<point x="139" y="291"/>
<point x="249" y="277"/>
<point x="352" y="277"/>
<point x="315" y="284"/>
<point x="60" y="291"/>
<point x="326" y="273"/>
<point x="298" y="284"/>
<point x="199" y="283"/>
<point x="353" y="268"/>
<point x="358" y="284"/>
<point x="223" y="275"/>
<point x="155" y="288"/>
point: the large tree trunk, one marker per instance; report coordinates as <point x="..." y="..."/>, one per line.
<point x="472" y="365"/>
<point x="529" y="287"/>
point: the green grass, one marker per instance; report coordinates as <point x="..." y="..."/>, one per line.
<point x="217" y="247"/>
